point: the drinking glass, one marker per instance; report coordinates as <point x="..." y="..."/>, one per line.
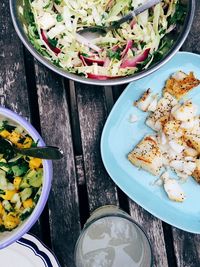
<point x="111" y="238"/>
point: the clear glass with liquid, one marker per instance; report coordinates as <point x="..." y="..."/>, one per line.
<point x="110" y="238"/>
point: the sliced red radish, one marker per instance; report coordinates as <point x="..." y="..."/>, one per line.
<point x="129" y="45"/>
<point x="135" y="60"/>
<point x="101" y="77"/>
<point x="56" y="50"/>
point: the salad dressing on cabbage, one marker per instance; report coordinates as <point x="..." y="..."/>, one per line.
<point x="53" y="27"/>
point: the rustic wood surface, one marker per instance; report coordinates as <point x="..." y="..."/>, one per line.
<point x="72" y="116"/>
<point x="14" y="92"/>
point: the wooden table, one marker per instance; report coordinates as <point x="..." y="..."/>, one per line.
<point x="71" y="116"/>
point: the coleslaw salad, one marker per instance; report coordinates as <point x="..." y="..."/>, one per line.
<point x="53" y="26"/>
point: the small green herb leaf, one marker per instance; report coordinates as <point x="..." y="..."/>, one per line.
<point x="58" y="2"/>
<point x="59" y="18"/>
<point x="53" y="42"/>
<point x="113" y="54"/>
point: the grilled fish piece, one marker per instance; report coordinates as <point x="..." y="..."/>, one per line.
<point x="180" y="83"/>
<point x="185" y="112"/>
<point x="193" y="141"/>
<point x="157" y="119"/>
<point x="145" y="100"/>
<point x="147" y="155"/>
<point x="172" y="188"/>
<point x="196" y="173"/>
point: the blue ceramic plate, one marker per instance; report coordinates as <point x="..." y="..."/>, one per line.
<point x="28" y="251"/>
<point x="120" y="137"/>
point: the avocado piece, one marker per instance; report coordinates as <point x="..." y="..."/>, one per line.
<point x="24" y="183"/>
<point x="7" y="206"/>
<point x="35" y="177"/>
<point x="25" y="194"/>
<point x="19" y="170"/>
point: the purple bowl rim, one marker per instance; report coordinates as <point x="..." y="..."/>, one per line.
<point x="48" y="173"/>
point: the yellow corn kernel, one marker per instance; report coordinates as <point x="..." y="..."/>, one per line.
<point x="14" y="137"/>
<point x="10" y="221"/>
<point x="8" y="194"/>
<point x="35" y="163"/>
<point x="28" y="203"/>
<point x="26" y="144"/>
<point x="2" y="210"/>
<point x="4" y="133"/>
<point x="17" y="182"/>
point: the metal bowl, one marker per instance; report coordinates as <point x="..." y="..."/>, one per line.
<point x="179" y="35"/>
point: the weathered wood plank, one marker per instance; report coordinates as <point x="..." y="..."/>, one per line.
<point x="154" y="230"/>
<point x="13" y="86"/>
<point x="187" y="248"/>
<point x="187" y="245"/>
<point x="63" y="200"/>
<point x="12" y="74"/>
<point x="92" y="115"/>
<point x="117" y="90"/>
<point x="192" y="42"/>
<point x="80" y="170"/>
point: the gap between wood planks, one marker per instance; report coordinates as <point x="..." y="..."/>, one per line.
<point x="44" y="231"/>
<point x="78" y="153"/>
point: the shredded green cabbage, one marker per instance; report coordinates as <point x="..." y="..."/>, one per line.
<point x="53" y="31"/>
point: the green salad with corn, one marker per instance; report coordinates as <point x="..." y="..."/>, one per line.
<point x="20" y="178"/>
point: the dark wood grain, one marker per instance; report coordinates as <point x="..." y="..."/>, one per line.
<point x="80" y="170"/>
<point x="192" y="42"/>
<point x="187" y="249"/>
<point x="92" y="115"/>
<point x="154" y="230"/>
<point x="13" y="84"/>
<point x="12" y="72"/>
<point x="63" y="200"/>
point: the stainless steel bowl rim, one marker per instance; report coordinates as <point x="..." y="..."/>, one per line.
<point x="182" y="37"/>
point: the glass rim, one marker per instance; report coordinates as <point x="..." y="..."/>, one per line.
<point x="114" y="214"/>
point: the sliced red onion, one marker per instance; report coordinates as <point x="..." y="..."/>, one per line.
<point x="56" y="50"/>
<point x="106" y="62"/>
<point x="82" y="59"/>
<point x="115" y="48"/>
<point x="109" y="4"/>
<point x="89" y="61"/>
<point x="135" y="60"/>
<point x="133" y="23"/>
<point x="129" y="45"/>
<point x="101" y="77"/>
